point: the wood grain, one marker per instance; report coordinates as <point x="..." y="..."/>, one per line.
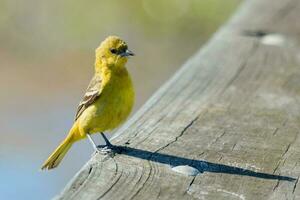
<point x="231" y="112"/>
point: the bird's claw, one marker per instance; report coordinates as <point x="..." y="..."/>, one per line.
<point x="107" y="150"/>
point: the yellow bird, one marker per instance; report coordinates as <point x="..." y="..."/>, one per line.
<point x="107" y="102"/>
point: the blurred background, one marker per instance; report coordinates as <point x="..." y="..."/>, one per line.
<point x="46" y="62"/>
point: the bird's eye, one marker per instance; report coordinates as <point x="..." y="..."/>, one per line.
<point x="114" y="51"/>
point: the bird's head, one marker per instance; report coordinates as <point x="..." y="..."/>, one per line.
<point x="112" y="52"/>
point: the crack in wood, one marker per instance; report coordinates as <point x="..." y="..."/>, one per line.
<point x="177" y="137"/>
<point x="90" y="170"/>
<point x="295" y="185"/>
<point x="282" y="162"/>
<point x="190" y="184"/>
<point x="217" y="138"/>
<point x="275" y="132"/>
<point x="276" y="185"/>
<point x="137" y="132"/>
<point x="241" y="67"/>
<point x="277" y="128"/>
<point x="221" y="157"/>
<point x="233" y="146"/>
<point x="278" y="164"/>
<point x="286" y="150"/>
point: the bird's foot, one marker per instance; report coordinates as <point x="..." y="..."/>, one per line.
<point x="108" y="149"/>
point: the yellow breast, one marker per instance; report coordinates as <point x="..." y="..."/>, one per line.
<point x="113" y="106"/>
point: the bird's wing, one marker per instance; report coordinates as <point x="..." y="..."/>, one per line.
<point x="91" y="95"/>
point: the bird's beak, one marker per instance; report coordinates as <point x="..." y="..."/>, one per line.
<point x="127" y="53"/>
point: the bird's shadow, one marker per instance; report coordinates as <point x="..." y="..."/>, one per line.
<point x="201" y="165"/>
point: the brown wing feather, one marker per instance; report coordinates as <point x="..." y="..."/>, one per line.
<point x="91" y="95"/>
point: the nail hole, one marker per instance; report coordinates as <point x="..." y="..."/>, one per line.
<point x="258" y="33"/>
<point x="90" y="170"/>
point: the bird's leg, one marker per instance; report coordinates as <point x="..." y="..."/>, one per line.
<point x="92" y="142"/>
<point x="108" y="144"/>
<point x="103" y="149"/>
<point x="109" y="147"/>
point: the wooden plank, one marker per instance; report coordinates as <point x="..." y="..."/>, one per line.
<point x="231" y="113"/>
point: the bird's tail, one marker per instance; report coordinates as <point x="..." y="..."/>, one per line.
<point x="56" y="157"/>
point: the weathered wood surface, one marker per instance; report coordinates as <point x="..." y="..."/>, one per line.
<point x="232" y="112"/>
